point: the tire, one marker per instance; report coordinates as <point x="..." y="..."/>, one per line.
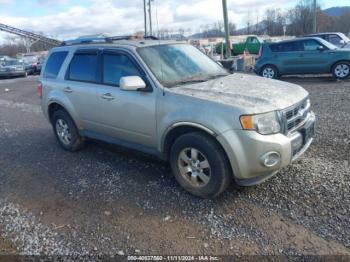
<point x="269" y="71"/>
<point x="341" y="70"/>
<point x="208" y="183"/>
<point x="66" y="131"/>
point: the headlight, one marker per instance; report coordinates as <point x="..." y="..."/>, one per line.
<point x="265" y="124"/>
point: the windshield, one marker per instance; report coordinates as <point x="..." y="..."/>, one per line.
<point x="178" y="64"/>
<point x="327" y="44"/>
<point x="344" y="37"/>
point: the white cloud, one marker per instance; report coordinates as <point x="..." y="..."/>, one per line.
<point x="118" y="17"/>
<point x="6" y="2"/>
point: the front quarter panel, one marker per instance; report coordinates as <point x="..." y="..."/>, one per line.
<point x="175" y="109"/>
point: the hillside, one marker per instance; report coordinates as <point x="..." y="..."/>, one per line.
<point x="336" y="11"/>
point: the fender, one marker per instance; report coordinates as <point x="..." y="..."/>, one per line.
<point x="66" y="104"/>
<point x="190" y="124"/>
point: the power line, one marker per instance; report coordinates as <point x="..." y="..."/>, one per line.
<point x="29" y="35"/>
<point x="145" y="15"/>
<point x="150" y="16"/>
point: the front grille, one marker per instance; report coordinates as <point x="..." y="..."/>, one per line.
<point x="296" y="115"/>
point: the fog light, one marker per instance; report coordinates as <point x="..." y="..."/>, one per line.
<point x="271" y="159"/>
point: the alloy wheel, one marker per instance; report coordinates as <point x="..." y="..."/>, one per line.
<point x="342" y="70"/>
<point x="194" y="167"/>
<point x="268" y="72"/>
<point x="63" y="132"/>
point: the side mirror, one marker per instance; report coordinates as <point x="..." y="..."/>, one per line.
<point x="342" y="42"/>
<point x="132" y="83"/>
<point x="320" y="48"/>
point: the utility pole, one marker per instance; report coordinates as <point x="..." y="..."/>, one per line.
<point x="150" y="16"/>
<point x="227" y="31"/>
<point x="145" y="15"/>
<point x="314" y="17"/>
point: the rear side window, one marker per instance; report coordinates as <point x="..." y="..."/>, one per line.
<point x="83" y="67"/>
<point x="287" y="47"/>
<point x="116" y="66"/>
<point x="54" y="64"/>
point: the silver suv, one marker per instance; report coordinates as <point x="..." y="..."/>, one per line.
<point x="171" y="100"/>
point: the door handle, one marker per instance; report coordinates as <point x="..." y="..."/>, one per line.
<point x="68" y="89"/>
<point x="108" y="96"/>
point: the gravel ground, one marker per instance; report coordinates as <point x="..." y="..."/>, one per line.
<point x="108" y="200"/>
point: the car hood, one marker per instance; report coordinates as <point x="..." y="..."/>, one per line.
<point x="252" y="94"/>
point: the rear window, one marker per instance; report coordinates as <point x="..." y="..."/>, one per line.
<point x="83" y="68"/>
<point x="54" y="64"/>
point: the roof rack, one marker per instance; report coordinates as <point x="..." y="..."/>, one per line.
<point x="111" y="39"/>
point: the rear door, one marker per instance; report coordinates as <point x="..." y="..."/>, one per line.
<point x="287" y="56"/>
<point x="82" y="78"/>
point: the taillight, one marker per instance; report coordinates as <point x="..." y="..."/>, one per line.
<point x="40" y="90"/>
<point x="260" y="52"/>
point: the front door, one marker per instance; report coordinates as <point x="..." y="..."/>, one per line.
<point x="313" y="60"/>
<point x="126" y="115"/>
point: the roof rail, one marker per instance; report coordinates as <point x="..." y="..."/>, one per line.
<point x="111" y="39"/>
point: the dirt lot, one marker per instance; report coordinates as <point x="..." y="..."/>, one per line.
<point x="108" y="200"/>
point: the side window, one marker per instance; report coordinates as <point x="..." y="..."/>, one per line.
<point x="287" y="47"/>
<point x="116" y="66"/>
<point x="83" y="67"/>
<point x="276" y="47"/>
<point x="54" y="64"/>
<point x="334" y="39"/>
<point x="311" y="45"/>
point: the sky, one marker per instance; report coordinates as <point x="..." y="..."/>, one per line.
<point x="66" y="19"/>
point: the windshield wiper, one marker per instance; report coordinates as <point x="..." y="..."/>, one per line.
<point x="217" y="76"/>
<point x="193" y="80"/>
<point x="190" y="81"/>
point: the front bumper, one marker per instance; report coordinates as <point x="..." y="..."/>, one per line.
<point x="246" y="149"/>
<point x="12" y="73"/>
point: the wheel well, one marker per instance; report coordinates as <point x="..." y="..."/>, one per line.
<point x="176" y="133"/>
<point x="346" y="61"/>
<point x="53" y="108"/>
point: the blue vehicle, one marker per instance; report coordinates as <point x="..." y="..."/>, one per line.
<point x="311" y="55"/>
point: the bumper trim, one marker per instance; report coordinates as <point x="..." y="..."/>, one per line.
<point x="303" y="150"/>
<point x="255" y="180"/>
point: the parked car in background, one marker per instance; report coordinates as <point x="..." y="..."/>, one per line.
<point x="33" y="63"/>
<point x="171" y="100"/>
<point x="12" y="67"/>
<point x="338" y="39"/>
<point x="39" y="65"/>
<point x="310" y="55"/>
<point x="252" y="44"/>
